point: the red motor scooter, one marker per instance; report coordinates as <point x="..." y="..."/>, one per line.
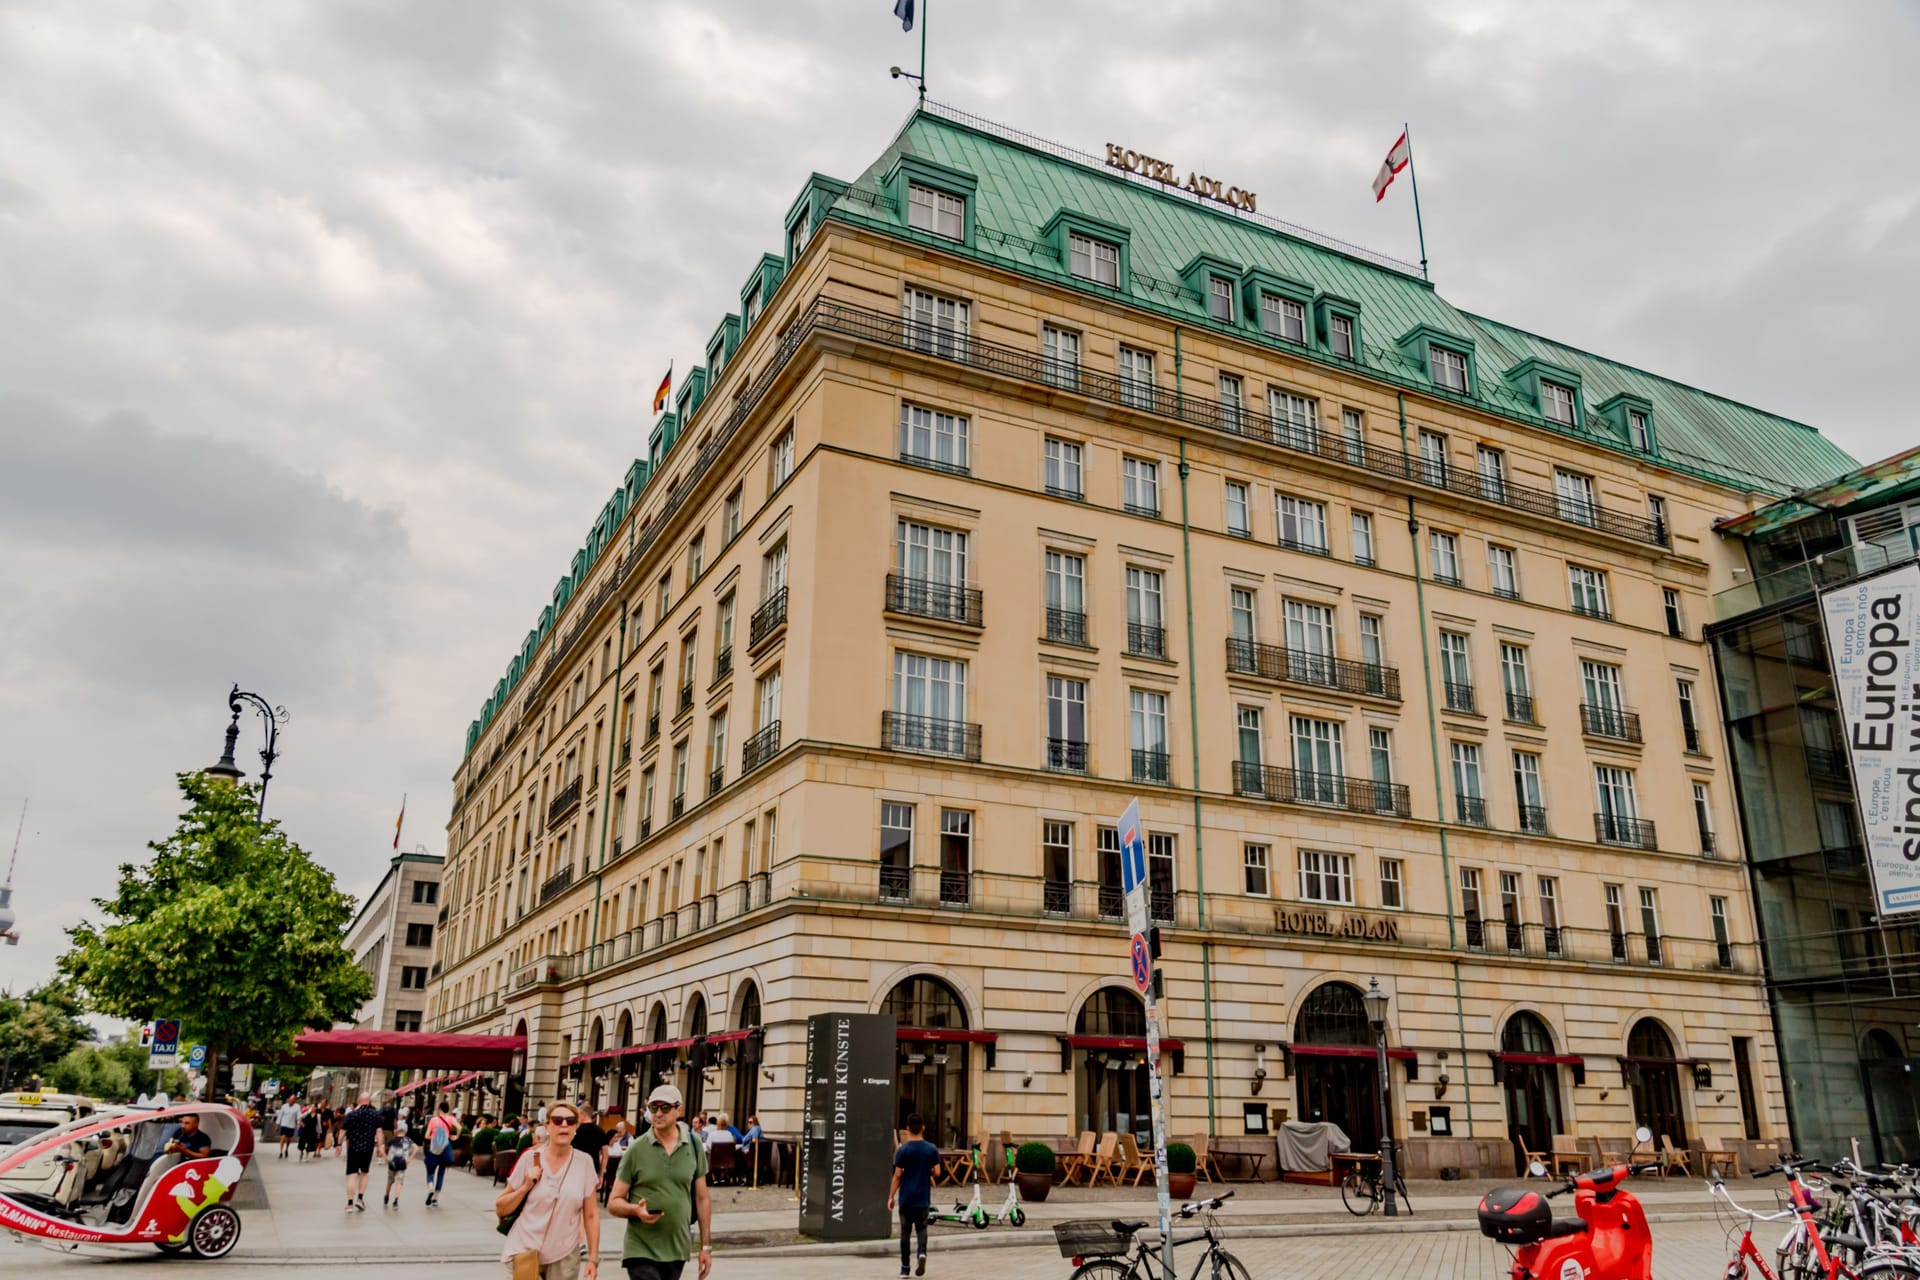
<point x="1609" y="1240"/>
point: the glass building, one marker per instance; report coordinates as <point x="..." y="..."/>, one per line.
<point x="1844" y="982"/>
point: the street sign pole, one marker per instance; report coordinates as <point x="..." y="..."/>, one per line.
<point x="1134" y="881"/>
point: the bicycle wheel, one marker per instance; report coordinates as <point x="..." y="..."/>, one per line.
<point x="1359" y="1193"/>
<point x="1228" y="1267"/>
<point x="1105" y="1269"/>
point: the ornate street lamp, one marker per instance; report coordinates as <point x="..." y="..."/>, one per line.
<point x="273" y="717"/>
<point x="1376" y="1000"/>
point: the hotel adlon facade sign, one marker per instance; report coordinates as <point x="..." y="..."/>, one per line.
<point x="1119" y="157"/>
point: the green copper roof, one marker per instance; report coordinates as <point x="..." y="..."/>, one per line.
<point x="1877" y="484"/>
<point x="1024" y="182"/>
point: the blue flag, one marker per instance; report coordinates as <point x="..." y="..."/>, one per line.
<point x="903" y="10"/>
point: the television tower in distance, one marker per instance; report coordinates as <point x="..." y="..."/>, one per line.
<point x="9" y="934"/>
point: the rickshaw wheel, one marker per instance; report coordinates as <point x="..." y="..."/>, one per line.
<point x="214" y="1232"/>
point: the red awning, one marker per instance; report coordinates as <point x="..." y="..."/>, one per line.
<point x="1542" y="1059"/>
<point x="728" y="1037"/>
<point x="410" y="1087"/>
<point x="943" y="1035"/>
<point x="454" y="1082"/>
<point x="1349" y="1051"/>
<point x="420" y="1049"/>
<point x="1659" y="1062"/>
<point x="1137" y="1044"/>
<point x="662" y="1046"/>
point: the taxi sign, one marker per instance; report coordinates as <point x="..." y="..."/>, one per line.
<point x="26" y="1099"/>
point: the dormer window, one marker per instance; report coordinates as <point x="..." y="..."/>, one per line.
<point x="936" y="212"/>
<point x="1094" y="260"/>
<point x="1340" y="336"/>
<point x="1220" y="298"/>
<point x="750" y="308"/>
<point x="1283" y="318"/>
<point x="1556" y="402"/>
<point x="1448" y="369"/>
<point x="1638" y="432"/>
<point x="796" y="238"/>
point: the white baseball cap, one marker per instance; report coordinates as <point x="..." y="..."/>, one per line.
<point x="666" y="1093"/>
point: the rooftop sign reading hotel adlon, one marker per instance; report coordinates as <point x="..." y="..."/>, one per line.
<point x="1200" y="184"/>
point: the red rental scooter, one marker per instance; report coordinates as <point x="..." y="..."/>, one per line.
<point x="1608" y="1241"/>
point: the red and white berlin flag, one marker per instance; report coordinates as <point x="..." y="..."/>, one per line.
<point x="1396" y="160"/>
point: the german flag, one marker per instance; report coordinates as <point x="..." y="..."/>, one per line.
<point x="666" y="387"/>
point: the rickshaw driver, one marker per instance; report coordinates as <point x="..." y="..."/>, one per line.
<point x="187" y="1141"/>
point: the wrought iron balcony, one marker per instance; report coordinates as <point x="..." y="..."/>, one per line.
<point x="1066" y="755"/>
<point x="1459" y="697"/>
<point x="1292" y="786"/>
<point x="556" y="884"/>
<point x="678" y="807"/>
<point x="620" y="847"/>
<point x="723" y="664"/>
<point x="1472" y="810"/>
<point x="1691" y="733"/>
<point x="1152" y="766"/>
<point x="1297" y="666"/>
<point x="925" y="598"/>
<point x="1072" y="495"/>
<point x="1829" y="764"/>
<point x="1446" y="578"/>
<point x="929" y="736"/>
<point x="1550" y="940"/>
<point x="653" y="726"/>
<point x="896" y="883"/>
<point x="1056" y="898"/>
<point x="1067" y="626"/>
<point x="1611" y="828"/>
<point x="1160" y="903"/>
<point x="1533" y="819"/>
<point x="686" y="698"/>
<point x="646" y="825"/>
<point x="934" y="464"/>
<point x="716" y="780"/>
<point x="1708" y="847"/>
<point x="1520" y="708"/>
<point x="760" y="748"/>
<point x="769" y="618"/>
<point x="565" y="802"/>
<point x="1309" y="548"/>
<point x="1592" y="609"/>
<point x="1146" y="641"/>
<point x="956" y="889"/>
<point x="1110" y="903"/>
<point x="1142" y="509"/>
<point x="626" y="752"/>
<point x="1609" y="722"/>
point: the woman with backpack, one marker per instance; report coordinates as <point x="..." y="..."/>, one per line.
<point x="441" y="1131"/>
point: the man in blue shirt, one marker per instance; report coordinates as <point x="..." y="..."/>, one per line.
<point x="912" y="1189"/>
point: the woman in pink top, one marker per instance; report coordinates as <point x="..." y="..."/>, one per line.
<point x="553" y="1186"/>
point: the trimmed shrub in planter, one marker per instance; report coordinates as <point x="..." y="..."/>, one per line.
<point x="483" y="1151"/>
<point x="1180" y="1165"/>
<point x="1033" y="1165"/>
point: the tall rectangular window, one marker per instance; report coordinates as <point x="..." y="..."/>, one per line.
<point x="1447" y="369"/>
<point x="1232" y="401"/>
<point x="1140" y="480"/>
<point x="1160" y="886"/>
<point x="1503" y="572"/>
<point x="1556" y="403"/>
<point x="1380" y="766"/>
<point x="1064" y="476"/>
<point x="1470" y="904"/>
<point x="1220" y="298"/>
<point x="1722" y="937"/>
<point x="1588" y="590"/>
<point x="1362" y="538"/>
<point x="717" y="749"/>
<point x="1574" y="495"/>
<point x="936" y="212"/>
<point x="1637" y="432"/>
<point x="1067" y="587"/>
<point x="1143" y="602"/>
<point x="1318" y="759"/>
<point x="1393" y="884"/>
<point x="932" y="438"/>
<point x="730" y="515"/>
<point x="1062" y="350"/>
<point x="1136" y="377"/>
<point x="1340" y="336"/>
<point x="1241" y="614"/>
<point x="780" y="458"/>
<point x="1445" y="558"/>
<point x="1326" y="877"/>
<point x="1310" y="634"/>
<point x="1510" y="908"/>
<point x="1433" y="458"/>
<point x="1066" y="723"/>
<point x="1094" y="260"/>
<point x="1056" y="867"/>
<point x="1353" y="435"/>
<point x="925" y="553"/>
<point x="1600" y="686"/>
<point x="1247" y="724"/>
<point x="929" y="687"/>
<point x="1550" y="913"/>
<point x="1372" y="647"/>
<point x="956" y="857"/>
<point x="1657" y="516"/>
<point x="1492" y="465"/>
<point x="767" y="697"/>
<point x="1619" y="809"/>
<point x="1527" y="793"/>
<point x="1239" y="517"/>
<point x="1470" y="803"/>
<point x="1283" y="318"/>
<point x="1302" y="523"/>
<point x="1616" y="921"/>
<point x="696" y="558"/>
<point x="1670" y="607"/>
<point x="936" y="325"/>
<point x="896" y="851"/>
<point x="773" y="571"/>
<point x="1456" y="670"/>
<point x="1650" y="924"/>
<point x="1256" y="860"/>
<point x="1703" y="818"/>
<point x="1147" y="720"/>
<point x="1296" y="419"/>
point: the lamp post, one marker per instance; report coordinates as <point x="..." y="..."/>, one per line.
<point x="1377" y="1015"/>
<point x="273" y="717"/>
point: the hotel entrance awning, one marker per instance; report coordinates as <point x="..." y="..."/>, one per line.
<point x="425" y="1050"/>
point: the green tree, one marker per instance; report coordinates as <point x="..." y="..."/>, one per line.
<point x="114" y="1072"/>
<point x="38" y="1029"/>
<point x="230" y="927"/>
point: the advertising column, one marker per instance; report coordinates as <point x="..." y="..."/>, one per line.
<point x="846" y="1141"/>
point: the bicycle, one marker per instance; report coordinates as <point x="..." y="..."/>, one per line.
<point x="1099" y="1250"/>
<point x="1805" y="1251"/>
<point x="1360" y="1190"/>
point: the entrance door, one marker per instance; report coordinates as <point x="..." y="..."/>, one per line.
<point x="931" y="1074"/>
<point x="1656" y="1082"/>
<point x="1532" y="1089"/>
<point x="1338" y="1089"/>
<point x="1114" y="1093"/>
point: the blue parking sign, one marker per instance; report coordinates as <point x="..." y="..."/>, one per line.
<point x="1133" y="849"/>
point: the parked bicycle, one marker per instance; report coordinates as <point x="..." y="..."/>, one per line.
<point x="1361" y="1190"/>
<point x="1100" y="1250"/>
<point x="1811" y="1250"/>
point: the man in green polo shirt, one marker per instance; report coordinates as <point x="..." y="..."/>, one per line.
<point x="661" y="1184"/>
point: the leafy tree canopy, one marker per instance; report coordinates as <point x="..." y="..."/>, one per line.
<point x="38" y="1028"/>
<point x="229" y="926"/>
<point x="113" y="1072"/>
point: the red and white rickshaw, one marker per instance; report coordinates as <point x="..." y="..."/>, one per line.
<point x="108" y="1179"/>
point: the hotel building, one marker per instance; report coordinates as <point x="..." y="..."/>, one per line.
<point x="1021" y="486"/>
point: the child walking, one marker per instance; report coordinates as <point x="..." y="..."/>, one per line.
<point x="399" y="1150"/>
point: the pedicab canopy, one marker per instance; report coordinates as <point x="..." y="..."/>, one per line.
<point x="374" y="1048"/>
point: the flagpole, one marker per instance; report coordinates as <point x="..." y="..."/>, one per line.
<point x="1414" y="178"/>
<point x="924" y="6"/>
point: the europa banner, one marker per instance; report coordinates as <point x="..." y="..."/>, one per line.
<point x="1872" y="628"/>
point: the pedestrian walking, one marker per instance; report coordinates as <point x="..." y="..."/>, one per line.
<point x="441" y="1131"/>
<point x="550" y="1196"/>
<point x="399" y="1150"/>
<point x="912" y="1190"/>
<point x="309" y="1132"/>
<point x="591" y="1141"/>
<point x="661" y="1190"/>
<point x="361" y="1128"/>
<point x="287" y="1118"/>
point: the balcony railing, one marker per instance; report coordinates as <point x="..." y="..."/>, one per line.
<point x="1066" y="755"/>
<point x="956" y="888"/>
<point x="1709" y="848"/>
<point x="1308" y="548"/>
<point x="1298" y="666"/>
<point x="1471" y="810"/>
<point x="768" y="618"/>
<point x="896" y="883"/>
<point x="925" y="598"/>
<point x="1611" y="828"/>
<point x="686" y="698"/>
<point x="646" y="825"/>
<point x="1056" y="897"/>
<point x="929" y="736"/>
<point x="1072" y="495"/>
<point x="1829" y="764"/>
<point x="556" y="884"/>
<point x="546" y="971"/>
<point x="1151" y="511"/>
<point x="1691" y="733"/>
<point x="1066" y="626"/>
<point x="620" y="847"/>
<point x="1520" y="708"/>
<point x="760" y="748"/>
<point x="1602" y="721"/>
<point x="1459" y="697"/>
<point x="565" y="802"/>
<point x="1292" y="786"/>
<point x="1593" y="609"/>
<point x="1533" y="819"/>
<point x="677" y="807"/>
<point x="716" y="780"/>
<point x="1146" y="641"/>
<point x="1152" y="766"/>
<point x="626" y="752"/>
<point x="723" y="664"/>
<point x="1110" y="903"/>
<point x="932" y="463"/>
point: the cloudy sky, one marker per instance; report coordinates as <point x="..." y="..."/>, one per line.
<point x="326" y="329"/>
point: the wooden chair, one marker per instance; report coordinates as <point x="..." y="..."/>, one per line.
<point x="1074" y="1161"/>
<point x="1204" y="1163"/>
<point x="1528" y="1156"/>
<point x="720" y="1163"/>
<point x="1716" y="1156"/>
<point x="1132" y="1160"/>
<point x="1670" y="1156"/>
<point x="1105" y="1158"/>
<point x="1611" y="1153"/>
<point x="1566" y="1150"/>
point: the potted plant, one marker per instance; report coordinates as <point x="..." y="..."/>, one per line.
<point x="483" y="1152"/>
<point x="1033" y="1165"/>
<point x="1180" y="1179"/>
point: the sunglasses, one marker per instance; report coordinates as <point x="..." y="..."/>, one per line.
<point x="659" y="1108"/>
<point x="563" y="1120"/>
